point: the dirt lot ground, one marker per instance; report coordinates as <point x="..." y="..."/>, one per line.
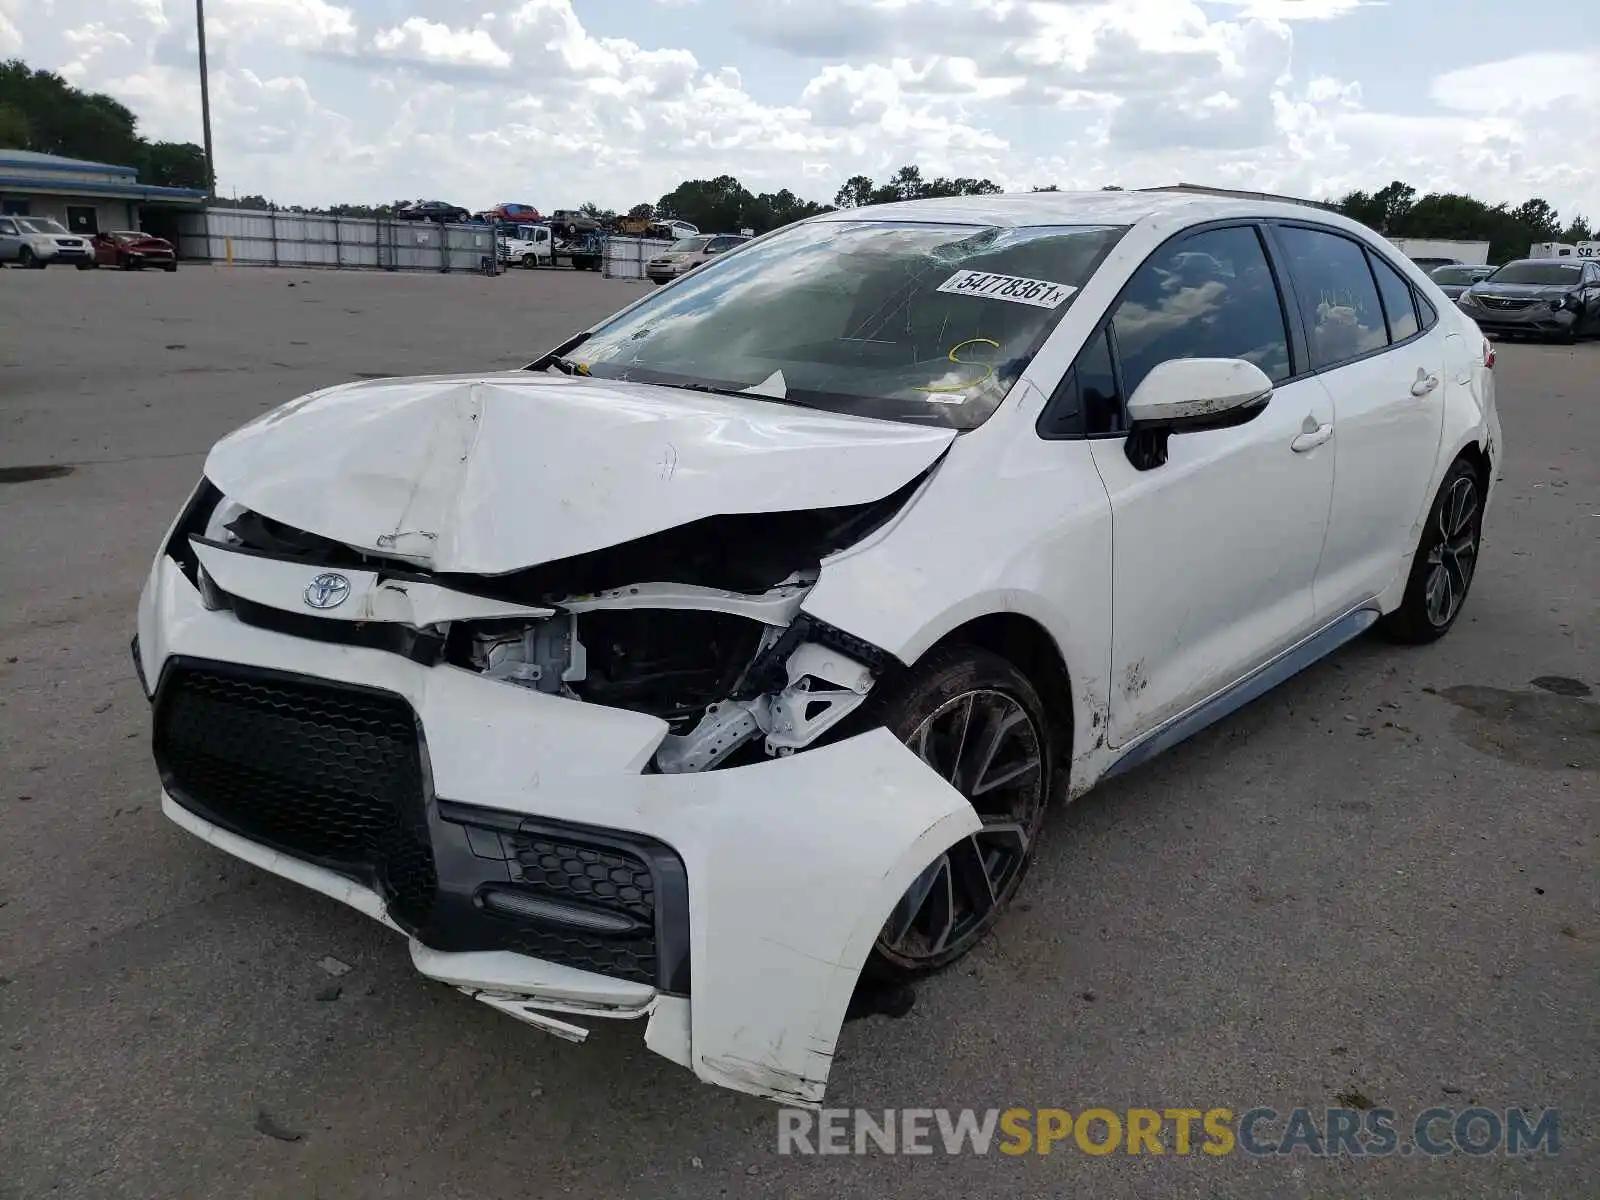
<point x="1369" y="884"/>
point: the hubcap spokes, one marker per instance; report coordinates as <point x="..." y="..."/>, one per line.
<point x="1455" y="555"/>
<point x="986" y="745"/>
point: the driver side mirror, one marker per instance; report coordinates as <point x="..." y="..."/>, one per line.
<point x="1187" y="395"/>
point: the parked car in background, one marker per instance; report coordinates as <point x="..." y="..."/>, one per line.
<point x="688" y="253"/>
<point x="132" y="251"/>
<point x="41" y="241"/>
<point x="730" y="652"/>
<point x="1553" y="298"/>
<point x="433" y="210"/>
<point x="1431" y="264"/>
<point x="1458" y="277"/>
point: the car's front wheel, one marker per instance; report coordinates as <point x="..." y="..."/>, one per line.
<point x="977" y="721"/>
<point x="1445" y="561"/>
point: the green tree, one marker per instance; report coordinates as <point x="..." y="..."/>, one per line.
<point x="62" y="119"/>
<point x="714" y="205"/>
<point x="14" y="128"/>
<point x="1539" y="217"/>
<point x="908" y="184"/>
<point x="855" y="192"/>
<point x="175" y="164"/>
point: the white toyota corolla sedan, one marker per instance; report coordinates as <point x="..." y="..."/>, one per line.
<point x="728" y="655"/>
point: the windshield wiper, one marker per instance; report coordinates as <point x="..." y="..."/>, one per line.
<point x="557" y="358"/>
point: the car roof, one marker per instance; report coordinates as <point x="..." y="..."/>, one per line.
<point x="1085" y="208"/>
<point x="1553" y="262"/>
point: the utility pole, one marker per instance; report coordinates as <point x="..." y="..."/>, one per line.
<point x="205" y="95"/>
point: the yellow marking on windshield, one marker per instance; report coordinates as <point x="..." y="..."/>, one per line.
<point x="988" y="368"/>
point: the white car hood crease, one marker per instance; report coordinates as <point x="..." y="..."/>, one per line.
<point x="486" y="474"/>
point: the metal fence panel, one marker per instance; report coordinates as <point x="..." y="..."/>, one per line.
<point x="625" y="257"/>
<point x="263" y="238"/>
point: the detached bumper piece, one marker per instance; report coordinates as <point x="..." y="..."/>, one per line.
<point x="336" y="775"/>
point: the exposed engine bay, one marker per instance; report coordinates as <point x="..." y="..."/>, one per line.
<point x="722" y="654"/>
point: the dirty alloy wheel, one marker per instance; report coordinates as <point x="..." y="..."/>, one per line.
<point x="976" y="720"/>
<point x="1445" y="561"/>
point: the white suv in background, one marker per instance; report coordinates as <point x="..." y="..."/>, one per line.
<point x="41" y="241"/>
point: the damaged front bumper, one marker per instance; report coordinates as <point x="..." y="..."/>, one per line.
<point x="517" y="840"/>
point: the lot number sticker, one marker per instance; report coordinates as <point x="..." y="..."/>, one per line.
<point x="1040" y="293"/>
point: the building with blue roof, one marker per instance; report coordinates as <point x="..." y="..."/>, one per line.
<point x="90" y="197"/>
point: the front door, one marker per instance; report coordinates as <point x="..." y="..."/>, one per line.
<point x="1214" y="552"/>
<point x="1379" y="350"/>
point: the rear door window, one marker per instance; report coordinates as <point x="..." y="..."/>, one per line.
<point x="1399" y="305"/>
<point x="1336" y="293"/>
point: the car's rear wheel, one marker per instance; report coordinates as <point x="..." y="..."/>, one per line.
<point x="1445" y="561"/>
<point x="977" y="721"/>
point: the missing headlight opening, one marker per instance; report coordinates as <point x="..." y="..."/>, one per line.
<point x="722" y="653"/>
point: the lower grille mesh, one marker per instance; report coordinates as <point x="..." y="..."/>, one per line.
<point x="322" y="771"/>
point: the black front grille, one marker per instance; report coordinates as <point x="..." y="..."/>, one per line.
<point x="322" y="771"/>
<point x="334" y="774"/>
<point x="1504" y="302"/>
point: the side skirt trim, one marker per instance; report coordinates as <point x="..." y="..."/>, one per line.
<point x="1236" y="695"/>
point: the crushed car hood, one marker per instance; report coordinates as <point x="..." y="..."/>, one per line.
<point x="486" y="474"/>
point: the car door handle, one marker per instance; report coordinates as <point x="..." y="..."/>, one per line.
<point x="1424" y="384"/>
<point x="1312" y="438"/>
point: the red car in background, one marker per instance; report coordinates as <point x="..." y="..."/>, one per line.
<point x="132" y="251"/>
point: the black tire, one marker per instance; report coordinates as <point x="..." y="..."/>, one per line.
<point x="948" y="709"/>
<point x="530" y="261"/>
<point x="88" y="266"/>
<point x="26" y="260"/>
<point x="169" y="268"/>
<point x="1445" y="563"/>
<point x="127" y="264"/>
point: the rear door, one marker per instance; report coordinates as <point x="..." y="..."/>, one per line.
<point x="1378" y="347"/>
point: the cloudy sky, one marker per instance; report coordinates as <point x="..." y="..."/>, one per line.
<point x="553" y="102"/>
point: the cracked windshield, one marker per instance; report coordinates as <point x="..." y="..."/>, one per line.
<point x="913" y="322"/>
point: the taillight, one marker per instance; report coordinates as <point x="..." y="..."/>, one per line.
<point x="1488" y="354"/>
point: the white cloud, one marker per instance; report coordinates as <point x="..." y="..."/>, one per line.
<point x="296" y="24"/>
<point x="421" y="40"/>
<point x="10" y="36"/>
<point x="1528" y="81"/>
<point x="477" y="101"/>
